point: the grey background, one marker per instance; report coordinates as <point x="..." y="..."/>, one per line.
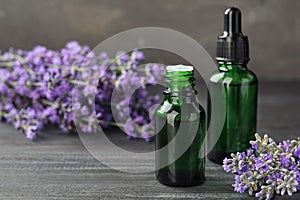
<point x="273" y="26"/>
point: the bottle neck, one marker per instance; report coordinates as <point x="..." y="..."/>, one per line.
<point x="232" y="67"/>
<point x="181" y="87"/>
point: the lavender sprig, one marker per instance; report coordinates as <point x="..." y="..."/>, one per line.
<point x="36" y="88"/>
<point x="267" y="168"/>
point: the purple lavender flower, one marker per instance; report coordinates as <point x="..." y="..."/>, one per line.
<point x="285" y="160"/>
<point x="255" y="145"/>
<point x="30" y="134"/>
<point x="286" y="146"/>
<point x="239" y="185"/>
<point x="226" y="164"/>
<point x="298" y="177"/>
<point x="260" y="164"/>
<point x="129" y="128"/>
<point x="250" y="152"/>
<point x="296" y="153"/>
<point x="137" y="55"/>
<point x="276" y="176"/>
<point x="268" y="157"/>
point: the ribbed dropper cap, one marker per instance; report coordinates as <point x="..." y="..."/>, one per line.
<point x="233" y="46"/>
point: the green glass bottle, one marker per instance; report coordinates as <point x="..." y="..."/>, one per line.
<point x="180" y="161"/>
<point x="233" y="87"/>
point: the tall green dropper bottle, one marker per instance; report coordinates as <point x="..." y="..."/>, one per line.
<point x="232" y="87"/>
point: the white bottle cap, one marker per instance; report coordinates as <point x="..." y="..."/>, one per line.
<point x="179" y="68"/>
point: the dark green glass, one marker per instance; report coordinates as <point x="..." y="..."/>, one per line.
<point x="234" y="87"/>
<point x="180" y="108"/>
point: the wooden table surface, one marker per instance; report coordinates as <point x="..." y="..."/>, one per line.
<point x="57" y="166"/>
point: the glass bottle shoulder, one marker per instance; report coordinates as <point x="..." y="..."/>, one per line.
<point x="192" y="109"/>
<point x="234" y="77"/>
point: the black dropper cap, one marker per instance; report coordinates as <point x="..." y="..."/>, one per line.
<point x="233" y="46"/>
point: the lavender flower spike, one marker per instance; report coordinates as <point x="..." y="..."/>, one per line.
<point x="267" y="169"/>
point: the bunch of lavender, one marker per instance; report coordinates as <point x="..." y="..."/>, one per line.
<point x="267" y="168"/>
<point x="36" y="87"/>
